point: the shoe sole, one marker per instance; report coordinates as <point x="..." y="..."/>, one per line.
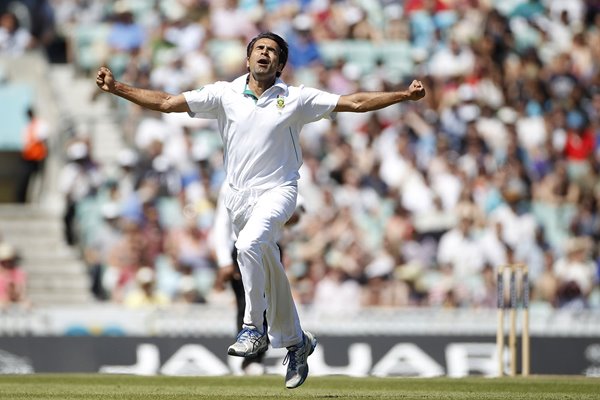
<point x="232" y="352"/>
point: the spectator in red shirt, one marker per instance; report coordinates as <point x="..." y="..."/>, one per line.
<point x="580" y="144"/>
<point x="428" y="5"/>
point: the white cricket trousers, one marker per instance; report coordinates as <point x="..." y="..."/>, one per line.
<point x="258" y="218"/>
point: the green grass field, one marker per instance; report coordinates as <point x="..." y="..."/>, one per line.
<point x="106" y="387"/>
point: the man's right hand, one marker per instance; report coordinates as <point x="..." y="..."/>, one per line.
<point x="105" y="80"/>
<point x="416" y="90"/>
<point x="225" y="274"/>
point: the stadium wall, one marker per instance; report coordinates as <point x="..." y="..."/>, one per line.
<point x="378" y="342"/>
<point x="384" y="356"/>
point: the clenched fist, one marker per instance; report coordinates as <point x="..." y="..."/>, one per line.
<point x="105" y="79"/>
<point x="416" y="90"/>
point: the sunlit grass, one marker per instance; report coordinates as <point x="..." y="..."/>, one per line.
<point x="96" y="386"/>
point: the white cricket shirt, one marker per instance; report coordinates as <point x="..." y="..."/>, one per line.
<point x="260" y="136"/>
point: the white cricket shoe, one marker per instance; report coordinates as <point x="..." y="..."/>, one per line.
<point x="249" y="343"/>
<point x="297" y="360"/>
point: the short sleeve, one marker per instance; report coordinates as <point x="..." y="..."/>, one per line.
<point x="204" y="102"/>
<point x="316" y="104"/>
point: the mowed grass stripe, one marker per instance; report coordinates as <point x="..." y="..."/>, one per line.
<point x="96" y="386"/>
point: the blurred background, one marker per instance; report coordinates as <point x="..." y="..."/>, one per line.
<point x="107" y="209"/>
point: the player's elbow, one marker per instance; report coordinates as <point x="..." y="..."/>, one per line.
<point x="362" y="105"/>
<point x="166" y="106"/>
<point x="361" y="108"/>
<point x="352" y="106"/>
<point x="351" y="103"/>
<point x="172" y="103"/>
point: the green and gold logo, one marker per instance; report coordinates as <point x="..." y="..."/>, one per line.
<point x="280" y="102"/>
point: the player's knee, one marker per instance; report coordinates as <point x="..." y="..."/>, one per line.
<point x="247" y="246"/>
<point x="254" y="248"/>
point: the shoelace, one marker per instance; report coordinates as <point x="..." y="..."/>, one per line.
<point x="249" y="334"/>
<point x="293" y="359"/>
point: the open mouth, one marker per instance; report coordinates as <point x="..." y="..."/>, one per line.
<point x="263" y="62"/>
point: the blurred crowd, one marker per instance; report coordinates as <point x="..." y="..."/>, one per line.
<point x="415" y="205"/>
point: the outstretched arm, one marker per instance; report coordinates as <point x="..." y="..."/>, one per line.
<point x="152" y="99"/>
<point x="371" y="101"/>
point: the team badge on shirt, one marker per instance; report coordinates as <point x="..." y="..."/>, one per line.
<point x="280" y="102"/>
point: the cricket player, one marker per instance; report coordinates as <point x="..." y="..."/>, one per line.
<point x="260" y="118"/>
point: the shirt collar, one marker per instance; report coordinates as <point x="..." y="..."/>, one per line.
<point x="239" y="84"/>
<point x="249" y="93"/>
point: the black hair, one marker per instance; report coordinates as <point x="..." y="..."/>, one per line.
<point x="283" y="46"/>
